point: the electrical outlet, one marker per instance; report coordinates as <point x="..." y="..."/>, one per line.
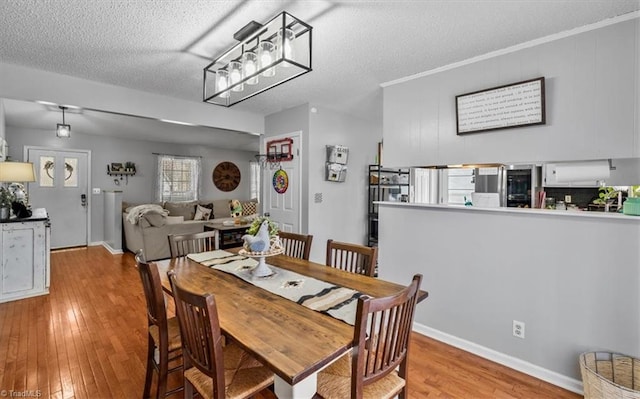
<point x="96" y="190"/>
<point x="567" y="199"/>
<point x="518" y="329"/>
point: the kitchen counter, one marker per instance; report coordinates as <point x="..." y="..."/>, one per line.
<point x="525" y="211"/>
<point x="572" y="277"/>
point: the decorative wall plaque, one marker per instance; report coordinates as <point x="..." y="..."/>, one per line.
<point x="502" y="107"/>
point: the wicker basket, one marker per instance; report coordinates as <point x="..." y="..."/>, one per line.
<point x="607" y="375"/>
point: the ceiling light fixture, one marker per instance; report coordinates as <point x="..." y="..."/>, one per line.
<point x="63" y="130"/>
<point x="267" y="56"/>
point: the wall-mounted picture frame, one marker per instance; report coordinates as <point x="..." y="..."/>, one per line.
<point x="513" y="105"/>
<point x="116" y="166"/>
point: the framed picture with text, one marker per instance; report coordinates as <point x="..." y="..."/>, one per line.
<point x="513" y="105"/>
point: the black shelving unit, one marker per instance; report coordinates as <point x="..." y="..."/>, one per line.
<point x="385" y="184"/>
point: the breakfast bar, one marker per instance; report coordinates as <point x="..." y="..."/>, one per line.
<point x="571" y="277"/>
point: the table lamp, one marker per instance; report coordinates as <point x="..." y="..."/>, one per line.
<point x="16" y="173"/>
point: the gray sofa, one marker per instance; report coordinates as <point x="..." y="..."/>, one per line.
<point x="150" y="232"/>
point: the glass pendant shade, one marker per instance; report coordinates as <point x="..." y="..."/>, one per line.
<point x="285" y="45"/>
<point x="63" y="131"/>
<point x="249" y="67"/>
<point x="266" y="57"/>
<point x="222" y="82"/>
<point x="235" y="75"/>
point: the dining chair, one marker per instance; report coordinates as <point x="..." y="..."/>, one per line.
<point x="216" y="372"/>
<point x="296" y="245"/>
<point x="163" y="332"/>
<point x="183" y="244"/>
<point x="352" y="257"/>
<point x="380" y="346"/>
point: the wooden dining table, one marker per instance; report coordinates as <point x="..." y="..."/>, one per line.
<point x="293" y="341"/>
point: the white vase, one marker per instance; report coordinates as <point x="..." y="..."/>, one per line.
<point x="4" y="213"/>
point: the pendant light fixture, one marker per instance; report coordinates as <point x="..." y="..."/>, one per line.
<point x="265" y="57"/>
<point x="63" y="130"/>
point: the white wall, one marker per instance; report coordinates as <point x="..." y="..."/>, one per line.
<point x="140" y="188"/>
<point x="592" y="96"/>
<point x="22" y="83"/>
<point x="342" y="215"/>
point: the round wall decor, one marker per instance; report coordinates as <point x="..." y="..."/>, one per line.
<point x="280" y="181"/>
<point x="226" y="176"/>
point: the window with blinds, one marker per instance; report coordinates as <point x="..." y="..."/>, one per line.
<point x="254" y="180"/>
<point x="178" y="178"/>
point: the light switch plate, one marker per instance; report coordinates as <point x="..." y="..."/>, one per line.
<point x="96" y="190"/>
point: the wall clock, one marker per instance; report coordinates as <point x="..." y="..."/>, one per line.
<point x="226" y="176"/>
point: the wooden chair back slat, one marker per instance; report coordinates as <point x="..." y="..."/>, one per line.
<point x="156" y="311"/>
<point x="201" y="336"/>
<point x="353" y="258"/>
<point x="382" y="331"/>
<point x="296" y="245"/>
<point x="183" y="244"/>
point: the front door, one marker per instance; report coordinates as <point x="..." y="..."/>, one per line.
<point x="282" y="188"/>
<point x="61" y="187"/>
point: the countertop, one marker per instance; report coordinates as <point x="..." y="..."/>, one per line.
<point x="37" y="215"/>
<point x="502" y="210"/>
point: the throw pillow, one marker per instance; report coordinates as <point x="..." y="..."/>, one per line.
<point x="186" y="209"/>
<point x="236" y="208"/>
<point x="249" y="208"/>
<point x="202" y="213"/>
<point x="155" y="219"/>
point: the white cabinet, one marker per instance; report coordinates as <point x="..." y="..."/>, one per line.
<point x="25" y="257"/>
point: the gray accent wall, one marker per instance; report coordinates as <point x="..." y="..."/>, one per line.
<point x="140" y="188"/>
<point x="573" y="280"/>
<point x="592" y="102"/>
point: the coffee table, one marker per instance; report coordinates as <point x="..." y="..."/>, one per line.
<point x="230" y="236"/>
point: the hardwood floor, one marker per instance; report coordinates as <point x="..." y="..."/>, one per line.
<point x="87" y="339"/>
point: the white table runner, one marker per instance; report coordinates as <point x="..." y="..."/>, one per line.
<point x="335" y="301"/>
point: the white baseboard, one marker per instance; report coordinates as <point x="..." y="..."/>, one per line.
<point x="111" y="250"/>
<point x="531" y="369"/>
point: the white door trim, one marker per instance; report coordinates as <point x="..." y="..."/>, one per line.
<point x="89" y="195"/>
<point x="298" y="135"/>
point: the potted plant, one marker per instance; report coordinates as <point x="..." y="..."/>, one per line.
<point x="606" y="195"/>
<point x="6" y="199"/>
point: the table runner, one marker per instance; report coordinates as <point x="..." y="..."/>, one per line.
<point x="335" y="301"/>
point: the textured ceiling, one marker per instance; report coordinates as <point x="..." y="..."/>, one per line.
<point x="162" y="46"/>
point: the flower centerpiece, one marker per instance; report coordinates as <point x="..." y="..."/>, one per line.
<point x="261" y="241"/>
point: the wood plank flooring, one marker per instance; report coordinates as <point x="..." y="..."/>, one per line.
<point x="87" y="339"/>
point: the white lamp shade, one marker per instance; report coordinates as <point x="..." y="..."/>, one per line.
<point x="17" y="172"/>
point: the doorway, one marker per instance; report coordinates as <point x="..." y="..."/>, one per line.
<point x="282" y="189"/>
<point x="61" y="186"/>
